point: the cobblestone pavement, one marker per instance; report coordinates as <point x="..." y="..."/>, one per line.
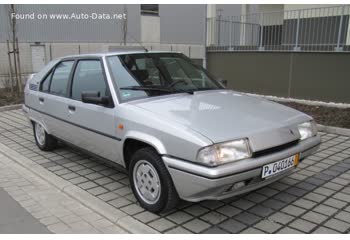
<point x="313" y="199"/>
<point x="42" y="207"/>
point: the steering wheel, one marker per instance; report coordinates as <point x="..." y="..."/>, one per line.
<point x="177" y="82"/>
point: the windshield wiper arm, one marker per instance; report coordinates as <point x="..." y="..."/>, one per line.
<point x="140" y="88"/>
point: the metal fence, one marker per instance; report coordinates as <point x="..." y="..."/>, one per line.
<point x="315" y="29"/>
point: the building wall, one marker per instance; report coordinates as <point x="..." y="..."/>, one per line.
<point x="297" y="75"/>
<point x="182" y="23"/>
<point x="87" y="30"/>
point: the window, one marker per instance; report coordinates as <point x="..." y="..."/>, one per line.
<point x="46" y="83"/>
<point x="152" y="74"/>
<point x="88" y="76"/>
<point x="60" y="78"/>
<point x="150" y="9"/>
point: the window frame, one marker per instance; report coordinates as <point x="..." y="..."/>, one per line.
<point x="70" y="83"/>
<point x="151" y="13"/>
<point x="52" y="72"/>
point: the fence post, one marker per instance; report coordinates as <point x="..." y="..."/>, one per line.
<point x="338" y="48"/>
<point x="261" y="48"/>
<point x="296" y="48"/>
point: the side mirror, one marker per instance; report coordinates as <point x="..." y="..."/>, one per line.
<point x="223" y="82"/>
<point x="93" y="97"/>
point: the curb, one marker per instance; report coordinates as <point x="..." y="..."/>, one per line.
<point x="10" y="107"/>
<point x="113" y="214"/>
<point x="334" y="130"/>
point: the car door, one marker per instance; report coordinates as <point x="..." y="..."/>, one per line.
<point x="53" y="99"/>
<point x="93" y="127"/>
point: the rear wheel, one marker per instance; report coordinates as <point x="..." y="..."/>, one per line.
<point x="43" y="140"/>
<point x="151" y="181"/>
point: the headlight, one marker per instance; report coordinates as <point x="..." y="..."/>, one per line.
<point x="307" y="129"/>
<point x="221" y="153"/>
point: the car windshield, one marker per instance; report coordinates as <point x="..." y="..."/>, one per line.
<point x="153" y="74"/>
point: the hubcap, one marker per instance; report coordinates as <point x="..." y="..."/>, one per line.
<point x="147" y="183"/>
<point x="40" y="134"/>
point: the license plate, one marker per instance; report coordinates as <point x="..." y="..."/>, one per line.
<point x="279" y="166"/>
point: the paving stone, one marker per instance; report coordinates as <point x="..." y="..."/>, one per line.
<point x="247" y="218"/>
<point x="215" y="230"/>
<point x="196" y="210"/>
<point x="97" y="191"/>
<point x="314" y="217"/>
<point x="302" y="225"/>
<point x="323" y="209"/>
<point x="255" y="197"/>
<point x="261" y="211"/>
<point x="243" y="204"/>
<point x="212" y="204"/>
<point x="213" y="217"/>
<point x="344" y="216"/>
<point x="293" y="210"/>
<point x="280" y="217"/>
<point x="303" y="203"/>
<point x="252" y="230"/>
<point x="132" y="209"/>
<point x="178" y="230"/>
<point x="196" y="225"/>
<point x="342" y="196"/>
<point x="274" y="204"/>
<point x="78" y="180"/>
<point x="119" y="202"/>
<point x="229" y="210"/>
<point x="179" y="217"/>
<point x="323" y="230"/>
<point x="315" y="197"/>
<point x="87" y="185"/>
<point x="146" y="216"/>
<point x="232" y="226"/>
<point x="108" y="196"/>
<point x="335" y="203"/>
<point x="268" y="226"/>
<point x="337" y="225"/>
<point x="103" y="181"/>
<point x="288" y="230"/>
<point x="162" y="224"/>
<point x="285" y="197"/>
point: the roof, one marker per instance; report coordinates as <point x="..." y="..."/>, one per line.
<point x="113" y="53"/>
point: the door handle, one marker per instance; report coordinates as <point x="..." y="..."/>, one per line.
<point x="71" y="108"/>
<point x="41" y="99"/>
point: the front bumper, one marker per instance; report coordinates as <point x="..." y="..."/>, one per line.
<point x="195" y="182"/>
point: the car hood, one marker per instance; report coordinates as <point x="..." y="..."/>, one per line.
<point x="224" y="115"/>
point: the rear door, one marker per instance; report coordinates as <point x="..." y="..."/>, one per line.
<point x="93" y="126"/>
<point x="53" y="99"/>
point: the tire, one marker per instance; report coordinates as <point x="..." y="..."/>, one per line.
<point x="151" y="166"/>
<point x="43" y="140"/>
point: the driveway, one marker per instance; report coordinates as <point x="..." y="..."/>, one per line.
<point x="313" y="199"/>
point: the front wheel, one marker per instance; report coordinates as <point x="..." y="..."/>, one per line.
<point x="43" y="140"/>
<point x="151" y="181"/>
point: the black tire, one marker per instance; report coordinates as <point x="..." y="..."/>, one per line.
<point x="50" y="142"/>
<point x="168" y="198"/>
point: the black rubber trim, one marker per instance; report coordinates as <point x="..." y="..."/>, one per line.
<point x="77" y="125"/>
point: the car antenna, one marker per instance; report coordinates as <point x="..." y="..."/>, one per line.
<point x="144" y="48"/>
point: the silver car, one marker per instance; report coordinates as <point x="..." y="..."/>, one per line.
<point x="177" y="132"/>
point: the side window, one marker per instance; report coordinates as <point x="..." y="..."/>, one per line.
<point x="60" y="78"/>
<point x="88" y="76"/>
<point x="46" y="83"/>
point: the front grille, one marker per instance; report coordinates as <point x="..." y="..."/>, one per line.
<point x="275" y="149"/>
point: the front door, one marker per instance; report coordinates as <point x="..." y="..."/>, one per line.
<point x="93" y="126"/>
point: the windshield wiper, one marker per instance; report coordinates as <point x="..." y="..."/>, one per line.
<point x="154" y="89"/>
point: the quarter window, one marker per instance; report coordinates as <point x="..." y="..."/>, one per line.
<point x="88" y="76"/>
<point x="60" y="78"/>
<point x="46" y="83"/>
